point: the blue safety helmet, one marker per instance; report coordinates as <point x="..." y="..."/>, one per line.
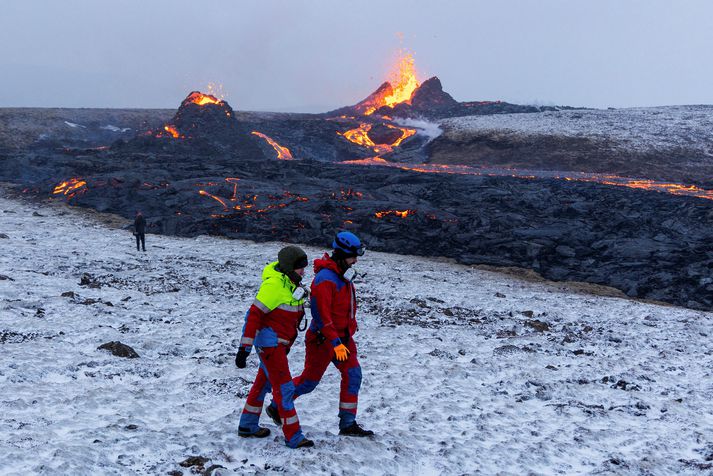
<point x="348" y="244"/>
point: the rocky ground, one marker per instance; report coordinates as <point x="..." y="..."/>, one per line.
<point x="647" y="244"/>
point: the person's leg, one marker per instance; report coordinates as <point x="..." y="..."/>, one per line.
<point x="278" y="370"/>
<point x="137" y="242"/>
<point x="317" y="359"/>
<point x="143" y="241"/>
<point x="349" y="390"/>
<point x="250" y="418"/>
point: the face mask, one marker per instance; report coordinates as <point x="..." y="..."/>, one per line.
<point x="349" y="274"/>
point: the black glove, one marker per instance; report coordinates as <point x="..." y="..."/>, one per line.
<point x="241" y="358"/>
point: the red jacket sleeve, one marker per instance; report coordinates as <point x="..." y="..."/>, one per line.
<point x="322" y="296"/>
<point x="252" y="323"/>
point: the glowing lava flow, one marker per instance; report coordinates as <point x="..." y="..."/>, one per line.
<point x="71" y="187"/>
<point x="171" y="129"/>
<point x="360" y="136"/>
<point x="396" y="213"/>
<point x="283" y="153"/>
<point x="612" y="180"/>
<point x="201" y="99"/>
<point x="222" y="202"/>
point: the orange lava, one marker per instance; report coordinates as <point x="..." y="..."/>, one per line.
<point x="171" y="129"/>
<point x="71" y="187"/>
<point x="222" y="202"/>
<point x="283" y="153"/>
<point x="360" y="136"/>
<point x="402" y="81"/>
<point x="201" y="99"/>
<point x="396" y="213"/>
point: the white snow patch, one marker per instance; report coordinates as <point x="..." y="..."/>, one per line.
<point x="112" y="128"/>
<point x="456" y="379"/>
<point x="73" y="125"/>
<point x="659" y="128"/>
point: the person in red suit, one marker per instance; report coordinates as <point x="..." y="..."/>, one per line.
<point x="330" y="337"/>
<point x="271" y="326"/>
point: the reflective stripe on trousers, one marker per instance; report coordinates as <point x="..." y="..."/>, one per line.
<point x="290" y="420"/>
<point x="253" y="409"/>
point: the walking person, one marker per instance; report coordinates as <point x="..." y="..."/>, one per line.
<point x="140" y="230"/>
<point x="330" y="337"/>
<point x="271" y="326"/>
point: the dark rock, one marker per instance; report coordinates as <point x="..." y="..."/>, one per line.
<point x="4" y="236"/>
<point x="527" y="313"/>
<point x="430" y="97"/>
<point x="209" y="470"/>
<point x="381" y="134"/>
<point x="194" y="461"/>
<point x="510" y="349"/>
<point x="5" y="278"/>
<point x="131" y="427"/>
<point x="40" y="312"/>
<point x="119" y="349"/>
<point x="538" y="325"/>
<point x="624" y="385"/>
<point x="89" y="280"/>
<point x="499" y="295"/>
<point x="35" y="214"/>
<point x="69" y="294"/>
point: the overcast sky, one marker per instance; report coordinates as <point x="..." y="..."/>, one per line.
<point x="316" y="55"/>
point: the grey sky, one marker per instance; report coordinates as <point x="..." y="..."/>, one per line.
<point x="315" y="55"/>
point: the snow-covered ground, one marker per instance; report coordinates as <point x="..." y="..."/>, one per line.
<point x="643" y="129"/>
<point x="457" y="377"/>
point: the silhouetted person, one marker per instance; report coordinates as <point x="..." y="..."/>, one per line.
<point x="140" y="230"/>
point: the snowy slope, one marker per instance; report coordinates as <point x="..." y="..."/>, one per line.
<point x="642" y="129"/>
<point x="457" y="377"/>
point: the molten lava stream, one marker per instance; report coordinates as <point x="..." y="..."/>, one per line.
<point x="70" y="187"/>
<point x="283" y="153"/>
<point x="220" y="200"/>
<point x="396" y="213"/>
<point x="360" y="136"/>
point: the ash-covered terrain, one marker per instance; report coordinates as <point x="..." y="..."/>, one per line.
<point x="465" y="371"/>
<point x="539" y="189"/>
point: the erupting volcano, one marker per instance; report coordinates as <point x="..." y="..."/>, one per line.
<point x="403" y="95"/>
<point x="397" y="89"/>
<point x="199" y="115"/>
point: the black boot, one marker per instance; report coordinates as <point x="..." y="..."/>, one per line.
<point x="355" y="430"/>
<point x="261" y="432"/>
<point x="273" y="414"/>
<point x="305" y="443"/>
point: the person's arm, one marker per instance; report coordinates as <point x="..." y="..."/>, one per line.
<point x="322" y="298"/>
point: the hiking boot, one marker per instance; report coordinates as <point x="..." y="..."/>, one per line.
<point x="273" y="414"/>
<point x="261" y="432"/>
<point x="305" y="443"/>
<point x="355" y="430"/>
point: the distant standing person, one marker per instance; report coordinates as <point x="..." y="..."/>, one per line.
<point x="140" y="230"/>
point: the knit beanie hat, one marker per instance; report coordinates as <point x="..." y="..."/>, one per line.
<point x="291" y="258"/>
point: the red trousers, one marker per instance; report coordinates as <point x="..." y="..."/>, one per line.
<point x="274" y="374"/>
<point x="317" y="359"/>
